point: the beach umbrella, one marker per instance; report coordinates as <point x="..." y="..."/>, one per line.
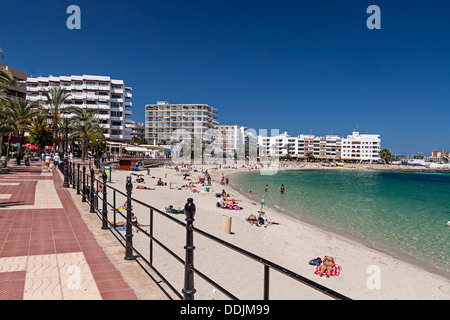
<point x="262" y="208"/>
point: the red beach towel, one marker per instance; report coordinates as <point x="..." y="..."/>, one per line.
<point x="335" y="271"/>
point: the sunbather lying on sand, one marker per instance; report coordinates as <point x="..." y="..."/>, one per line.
<point x="124" y="224"/>
<point x="261" y="221"/>
<point x="145" y="188"/>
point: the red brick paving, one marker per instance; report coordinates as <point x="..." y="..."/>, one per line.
<point x="26" y="232"/>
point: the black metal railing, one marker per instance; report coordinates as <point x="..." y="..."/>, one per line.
<point x="95" y="190"/>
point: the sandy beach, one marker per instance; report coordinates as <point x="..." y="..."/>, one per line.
<point x="367" y="273"/>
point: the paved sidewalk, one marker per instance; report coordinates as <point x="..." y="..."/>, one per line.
<point x="46" y="248"/>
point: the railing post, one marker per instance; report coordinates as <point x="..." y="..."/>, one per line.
<point x="91" y="192"/>
<point x="129" y="232"/>
<point x="73" y="175"/>
<point x="70" y="173"/>
<point x="266" y="282"/>
<point x="189" y="291"/>
<point x="66" y="173"/>
<point x="105" y="208"/>
<point x="78" y="178"/>
<point x="151" y="237"/>
<point x="83" y="190"/>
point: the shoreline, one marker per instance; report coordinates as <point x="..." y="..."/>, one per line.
<point x="392" y="252"/>
<point x="291" y="244"/>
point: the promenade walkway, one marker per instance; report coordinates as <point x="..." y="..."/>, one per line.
<point x="46" y="249"/>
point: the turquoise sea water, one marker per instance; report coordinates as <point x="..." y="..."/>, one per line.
<point x="405" y="211"/>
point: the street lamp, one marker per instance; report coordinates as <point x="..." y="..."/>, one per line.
<point x="97" y="165"/>
<point x="83" y="136"/>
<point x="66" y="157"/>
<point x="49" y="119"/>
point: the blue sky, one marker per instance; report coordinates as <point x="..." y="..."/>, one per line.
<point x="297" y="66"/>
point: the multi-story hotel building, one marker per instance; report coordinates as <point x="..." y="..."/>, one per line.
<point x="137" y="130"/>
<point x="163" y="119"/>
<point x="109" y="98"/>
<point x="361" y="147"/>
<point x="230" y="138"/>
<point x="358" y="147"/>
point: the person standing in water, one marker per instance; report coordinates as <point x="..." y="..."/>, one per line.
<point x="282" y="189"/>
<point x="267" y="187"/>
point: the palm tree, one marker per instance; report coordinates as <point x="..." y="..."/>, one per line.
<point x="38" y="130"/>
<point x="5" y="125"/>
<point x="309" y="156"/>
<point x="21" y="112"/>
<point x="385" y="155"/>
<point x="288" y="147"/>
<point x="55" y="106"/>
<point x="6" y="78"/>
<point x="84" y="133"/>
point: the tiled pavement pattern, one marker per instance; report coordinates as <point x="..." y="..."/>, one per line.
<point x="46" y="249"/>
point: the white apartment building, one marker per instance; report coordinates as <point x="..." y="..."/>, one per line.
<point x="357" y="147"/>
<point x="109" y="98"/>
<point x="278" y="145"/>
<point x="163" y="119"/>
<point x="229" y="138"/>
<point x="361" y="147"/>
<point x="137" y="129"/>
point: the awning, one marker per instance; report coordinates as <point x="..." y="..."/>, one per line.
<point x="136" y="149"/>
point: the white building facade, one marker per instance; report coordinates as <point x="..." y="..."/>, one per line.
<point x="108" y="98"/>
<point x="163" y="119"/>
<point x="361" y="147"/>
<point x="355" y="147"/>
<point x="229" y="138"/>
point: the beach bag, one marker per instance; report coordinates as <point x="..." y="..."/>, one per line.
<point x="315" y="262"/>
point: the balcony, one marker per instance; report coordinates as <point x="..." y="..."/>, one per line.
<point x="35" y="98"/>
<point x="117" y="90"/>
<point x="116" y="136"/>
<point x="104" y="88"/>
<point x="78" y="96"/>
<point x="104" y="97"/>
